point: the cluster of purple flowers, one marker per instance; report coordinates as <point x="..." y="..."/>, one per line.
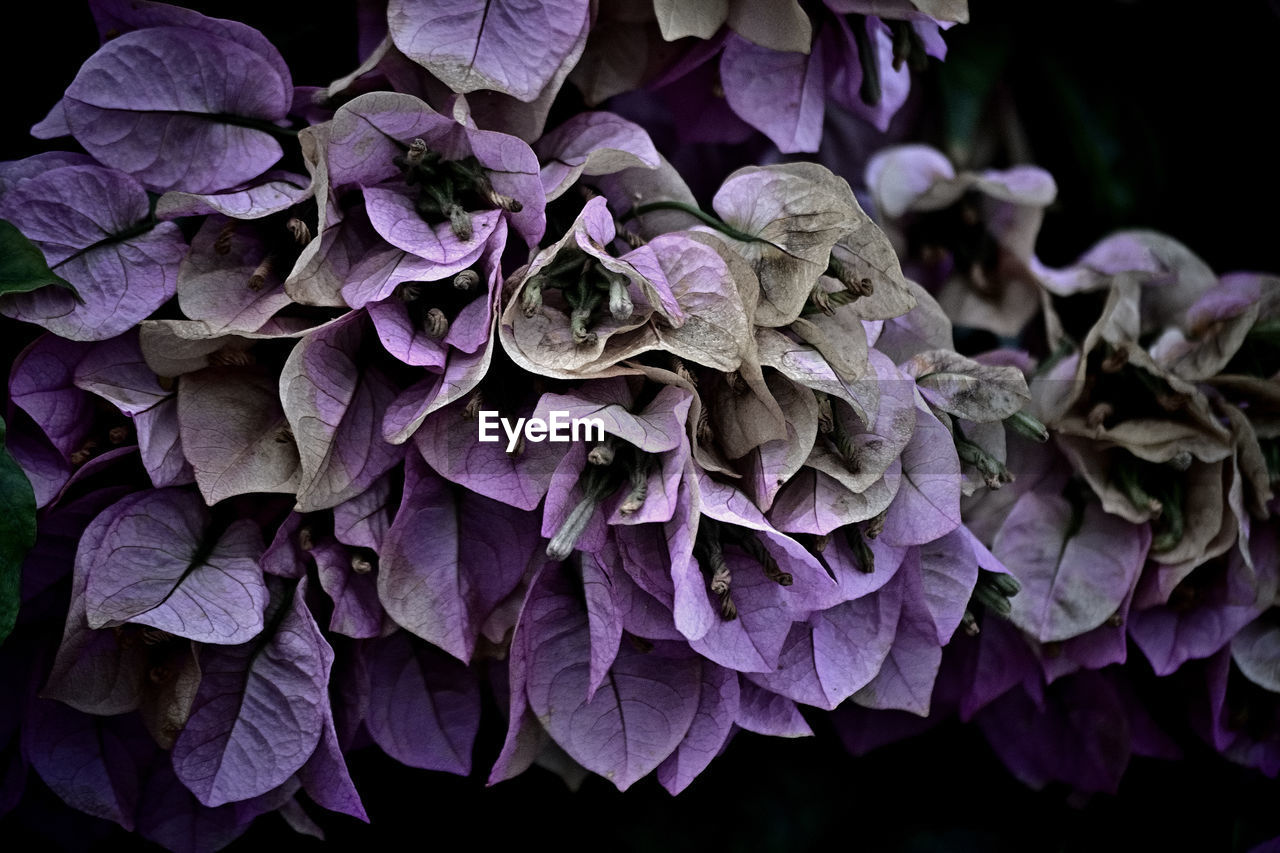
<point x="251" y="424"/>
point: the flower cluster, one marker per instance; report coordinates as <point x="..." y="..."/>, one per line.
<point x="1149" y="517"/>
<point x="268" y="533"/>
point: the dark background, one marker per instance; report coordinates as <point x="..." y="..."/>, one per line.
<point x="1151" y="113"/>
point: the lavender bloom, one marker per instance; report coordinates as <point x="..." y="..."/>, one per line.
<point x="972" y="235"/>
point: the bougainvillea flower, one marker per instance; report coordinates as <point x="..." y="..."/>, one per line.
<point x="976" y="231"/>
<point x="1173" y="277"/>
<point x="626" y="731"/>
<point x="270" y="193"/>
<point x="845" y="53"/>
<point x="1240" y="717"/>
<point x="1083" y="708"/>
<point x="577" y="310"/>
<point x="249" y="687"/>
<point x="632" y="475"/>
<point x="334" y="400"/>
<point x="433" y="185"/>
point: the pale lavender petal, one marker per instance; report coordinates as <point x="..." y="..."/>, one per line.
<point x="905" y="681"/>
<point x="325" y="776"/>
<point x="604" y="613"/>
<point x="593" y="143"/>
<point x="214" y="281"/>
<point x="260" y="710"/>
<point x="41" y="383"/>
<point x="393" y="216"/>
<point x="272" y="193"/>
<point x="508" y="46"/>
<point x="77" y="216"/>
<point x="838" y="651"/>
<point x="334" y="404"/>
<point x="362" y="522"/>
<point x="1072" y="580"/>
<point x="235" y="433"/>
<point x="717" y="707"/>
<point x="157" y="567"/>
<point x="356" y="609"/>
<point x="134" y="107"/>
<point x="644" y="710"/>
<point x="424" y="707"/>
<point x="448" y="442"/>
<point x="780" y="94"/>
<point x="928" y="501"/>
<point x="116" y="371"/>
<point x="767" y="713"/>
<point x="159" y="440"/>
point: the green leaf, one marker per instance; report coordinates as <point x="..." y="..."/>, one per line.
<point x="22" y="265"/>
<point x="17" y="533"/>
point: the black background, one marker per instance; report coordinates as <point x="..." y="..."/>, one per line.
<point x="1149" y="113"/>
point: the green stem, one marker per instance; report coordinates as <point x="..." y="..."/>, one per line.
<point x="869" y="91"/>
<point x="696" y="212"/>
